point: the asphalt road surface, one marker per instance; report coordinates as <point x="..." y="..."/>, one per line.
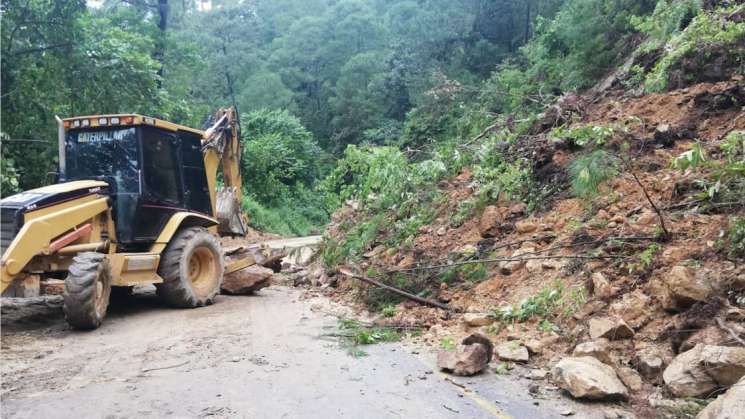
<point x="271" y="355"/>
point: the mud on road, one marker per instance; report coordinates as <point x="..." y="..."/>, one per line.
<point x="270" y="355"/>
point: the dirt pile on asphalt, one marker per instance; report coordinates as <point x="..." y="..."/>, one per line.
<point x="589" y="277"/>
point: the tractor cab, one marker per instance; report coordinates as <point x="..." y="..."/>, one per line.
<point x="153" y="168"/>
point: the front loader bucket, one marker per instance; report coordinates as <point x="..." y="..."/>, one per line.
<point x="232" y="221"/>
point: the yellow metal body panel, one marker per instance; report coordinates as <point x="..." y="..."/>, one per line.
<point x="36" y="234"/>
<point x="130" y="269"/>
<point x="173" y="225"/>
<point x="43" y="212"/>
<point x="211" y="162"/>
<point x="69" y="186"/>
<point x="136" y="120"/>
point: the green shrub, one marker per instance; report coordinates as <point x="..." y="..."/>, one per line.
<point x="279" y="154"/>
<point x="706" y="31"/>
<point x="588" y="172"/>
<point x="669" y="17"/>
<point x="551" y="302"/>
<point x="734" y="239"/>
<point x="724" y="179"/>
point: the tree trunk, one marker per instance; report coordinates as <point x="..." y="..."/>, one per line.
<point x="528" y="5"/>
<point x="160" y="48"/>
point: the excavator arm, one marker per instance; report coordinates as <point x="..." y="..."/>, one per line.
<point x="221" y="147"/>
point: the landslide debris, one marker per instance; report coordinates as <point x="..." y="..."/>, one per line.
<point x="586" y="287"/>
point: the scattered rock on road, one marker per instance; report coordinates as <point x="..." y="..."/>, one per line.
<point x="586" y="377"/>
<point x="247" y="281"/>
<point x="469" y="358"/>
<point x="512" y="351"/>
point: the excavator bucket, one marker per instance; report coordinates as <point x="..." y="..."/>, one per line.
<point x="229" y="215"/>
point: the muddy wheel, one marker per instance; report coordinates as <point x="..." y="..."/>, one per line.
<point x="192" y="269"/>
<point x="87" y="290"/>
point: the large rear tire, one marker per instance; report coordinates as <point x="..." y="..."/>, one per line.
<point x="87" y="290"/>
<point x="192" y="268"/>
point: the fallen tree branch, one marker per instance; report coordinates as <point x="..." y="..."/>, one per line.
<point x="394" y="290"/>
<point x="665" y="232"/>
<point x="144" y="370"/>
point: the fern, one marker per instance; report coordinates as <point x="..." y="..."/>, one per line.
<point x="588" y="172"/>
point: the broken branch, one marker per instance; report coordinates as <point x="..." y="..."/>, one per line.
<point x="394" y="290"/>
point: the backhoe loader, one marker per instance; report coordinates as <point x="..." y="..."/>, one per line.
<point x="137" y="202"/>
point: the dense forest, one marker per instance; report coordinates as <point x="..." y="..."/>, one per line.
<point x="326" y="87"/>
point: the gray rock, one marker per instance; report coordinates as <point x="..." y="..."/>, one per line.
<point x="597" y="348"/>
<point x="730" y="405"/>
<point x="586" y="377"/>
<point x="610" y="328"/>
<point x="512" y="351"/>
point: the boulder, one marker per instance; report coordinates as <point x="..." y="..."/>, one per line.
<point x="526" y="226"/>
<point x="685" y="377"/>
<point x="469" y="358"/>
<point x="630" y="378"/>
<point x="649" y="365"/>
<point x="685" y="287"/>
<point x="710" y="335"/>
<point x="248" y="280"/>
<point x="725" y="364"/>
<point x="729" y="405"/>
<point x="512" y="351"/>
<point x="477" y="319"/>
<point x="701" y="370"/>
<point x="609" y="327"/>
<point x="491" y="221"/>
<point x="601" y="286"/>
<point x="586" y="377"/>
<point x="596" y="348"/>
<point x="646" y="218"/>
<point x="508" y="267"/>
<point x="633" y="308"/>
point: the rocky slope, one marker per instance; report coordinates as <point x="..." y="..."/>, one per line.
<point x="593" y="289"/>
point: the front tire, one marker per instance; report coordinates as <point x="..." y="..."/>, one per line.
<point x="87" y="290"/>
<point x="192" y="268"/>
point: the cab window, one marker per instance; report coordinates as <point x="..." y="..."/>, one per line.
<point x="161" y="167"/>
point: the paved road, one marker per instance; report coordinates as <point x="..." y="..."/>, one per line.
<point x="263" y="356"/>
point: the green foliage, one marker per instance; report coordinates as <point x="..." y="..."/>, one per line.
<point x="388" y="310"/>
<point x="669" y="17"/>
<point x="355" y="334"/>
<point x="734" y="239"/>
<point x="551" y="302"/>
<point x="581" y="43"/>
<point x="646" y="258"/>
<point x="299" y="212"/>
<point x="721" y="179"/>
<point x="447" y="343"/>
<point x="706" y="32"/>
<point x="278" y="154"/>
<point x="587" y="135"/>
<point x="591" y="170"/>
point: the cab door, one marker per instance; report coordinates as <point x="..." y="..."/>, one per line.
<point x="162" y="186"/>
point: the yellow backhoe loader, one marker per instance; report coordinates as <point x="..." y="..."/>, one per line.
<point x="136" y="203"/>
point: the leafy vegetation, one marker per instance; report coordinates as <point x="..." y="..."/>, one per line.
<point x="591" y="170"/>
<point x="551" y="302"/>
<point x="355" y="334"/>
